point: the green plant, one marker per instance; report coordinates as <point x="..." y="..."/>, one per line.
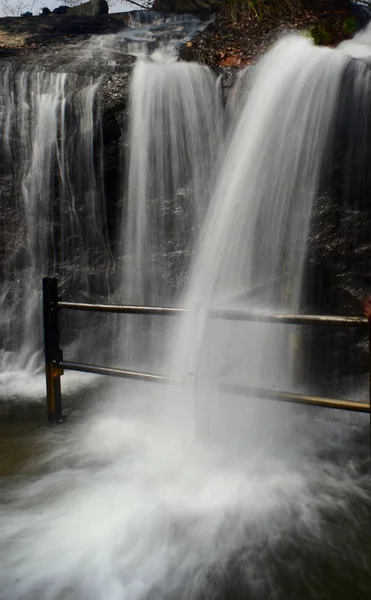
<point x="260" y="8"/>
<point x="320" y="35"/>
<point x="307" y="33"/>
<point x="350" y="25"/>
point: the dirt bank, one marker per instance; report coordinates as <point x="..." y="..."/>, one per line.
<point x="237" y="38"/>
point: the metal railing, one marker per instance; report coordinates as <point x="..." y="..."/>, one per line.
<point x="55" y="364"/>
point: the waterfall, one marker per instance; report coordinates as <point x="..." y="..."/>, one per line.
<point x="182" y="491"/>
<point x="151" y="30"/>
<point x="255" y="236"/>
<point x="175" y="135"/>
<point x="53" y="205"/>
<point x="56" y="191"/>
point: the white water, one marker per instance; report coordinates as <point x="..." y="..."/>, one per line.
<point x="146" y="32"/>
<point x="360" y="45"/>
<point x="256" y="232"/>
<point x="53" y="207"/>
<point x="53" y="188"/>
<point x="128" y="511"/>
<point x="152" y="29"/>
<point x="131" y="504"/>
<point x="175" y="137"/>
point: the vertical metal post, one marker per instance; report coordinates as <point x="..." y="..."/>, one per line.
<point x="369" y="358"/>
<point x="369" y="464"/>
<point x="53" y="353"/>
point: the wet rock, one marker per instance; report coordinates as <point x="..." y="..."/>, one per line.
<point x="27" y="33"/>
<point x="338" y="274"/>
<point x="114" y="104"/>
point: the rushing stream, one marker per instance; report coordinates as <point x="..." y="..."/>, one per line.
<point x="181" y="491"/>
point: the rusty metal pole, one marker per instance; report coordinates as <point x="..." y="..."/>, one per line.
<point x="369" y="464"/>
<point x="369" y="375"/>
<point x="53" y="353"/>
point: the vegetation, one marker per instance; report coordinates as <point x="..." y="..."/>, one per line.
<point x="260" y="8"/>
<point x="244" y="29"/>
<point x="350" y="26"/>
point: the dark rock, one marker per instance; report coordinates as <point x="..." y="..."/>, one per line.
<point x="338" y="276"/>
<point x="362" y="13"/>
<point x="45" y="12"/>
<point x="61" y="10"/>
<point x="91" y="8"/>
<point x="18" y="34"/>
<point x="114" y="104"/>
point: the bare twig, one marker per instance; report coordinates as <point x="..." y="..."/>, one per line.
<point x="17" y="8"/>
<point x="144" y="6"/>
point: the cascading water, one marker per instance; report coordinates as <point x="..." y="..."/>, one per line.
<point x="56" y="190"/>
<point x="53" y="201"/>
<point x="175" y="137"/>
<point x="254" y="241"/>
<point x="130" y="504"/>
<point x="150" y="29"/>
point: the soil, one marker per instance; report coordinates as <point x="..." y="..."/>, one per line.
<point x="233" y="42"/>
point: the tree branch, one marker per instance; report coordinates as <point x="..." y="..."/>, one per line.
<point x="137" y="4"/>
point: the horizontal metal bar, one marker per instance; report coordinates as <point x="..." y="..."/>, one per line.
<point x="243" y="390"/>
<point x="230" y="315"/>
<point x="119" y="308"/>
<point x="96" y="369"/>
<point x="233" y="315"/>
<point x="235" y="389"/>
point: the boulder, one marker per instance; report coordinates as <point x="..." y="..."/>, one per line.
<point x="91" y="8"/>
<point x="60" y="10"/>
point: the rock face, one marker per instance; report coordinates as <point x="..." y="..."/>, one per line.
<point x="17" y="34"/>
<point x="339" y="249"/>
<point x="91" y="8"/>
<point x="114" y="103"/>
